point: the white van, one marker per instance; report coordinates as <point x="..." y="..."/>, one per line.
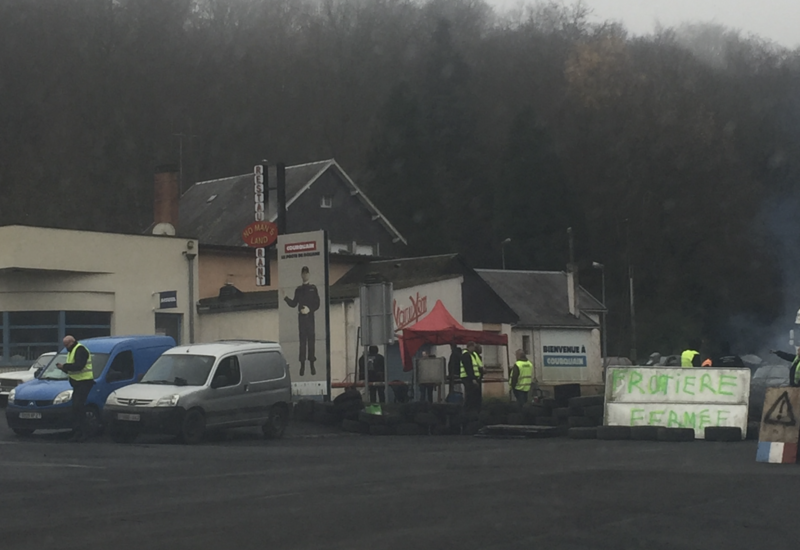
<point x="193" y="389"/>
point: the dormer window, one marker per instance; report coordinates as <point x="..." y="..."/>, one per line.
<point x="326" y="201"/>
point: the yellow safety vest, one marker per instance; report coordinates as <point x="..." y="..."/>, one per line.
<point x="796" y="365"/>
<point x="86" y="373"/>
<point x="524" y="379"/>
<point x="687" y="357"/>
<point x="476" y="364"/>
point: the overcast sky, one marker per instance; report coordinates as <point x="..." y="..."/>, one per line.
<point x="777" y="20"/>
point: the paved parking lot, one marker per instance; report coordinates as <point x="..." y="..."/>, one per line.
<point x="322" y="490"/>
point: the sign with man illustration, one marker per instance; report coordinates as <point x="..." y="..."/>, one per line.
<point x="677" y="398"/>
<point x="303" y="310"/>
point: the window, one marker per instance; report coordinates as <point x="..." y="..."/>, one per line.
<point x="229" y="368"/>
<point x="181" y="370"/>
<point x="326" y="201"/>
<point x="30" y="334"/>
<point x="263" y="366"/>
<point x="121" y="367"/>
<point x="170" y="324"/>
<point x="365" y="250"/>
<point x="526" y="344"/>
<point x="52" y="372"/>
<point x="338" y="248"/>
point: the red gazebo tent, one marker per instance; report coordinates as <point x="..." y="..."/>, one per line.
<point x="440" y="328"/>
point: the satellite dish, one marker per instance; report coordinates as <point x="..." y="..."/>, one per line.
<point x="164" y="229"/>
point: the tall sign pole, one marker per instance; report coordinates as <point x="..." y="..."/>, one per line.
<point x="262" y="233"/>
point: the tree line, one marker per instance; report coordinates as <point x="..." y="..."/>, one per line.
<point x="674" y="157"/>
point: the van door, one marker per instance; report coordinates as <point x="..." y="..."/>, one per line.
<point x="225" y="405"/>
<point x="267" y="382"/>
<point x="118" y="373"/>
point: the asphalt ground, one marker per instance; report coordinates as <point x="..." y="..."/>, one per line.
<point x="319" y="489"/>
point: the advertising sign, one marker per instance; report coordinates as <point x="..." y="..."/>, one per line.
<point x="168" y="299"/>
<point x="569" y="356"/>
<point x="303" y="310"/>
<point x="677" y="398"/>
<point x="260" y="234"/>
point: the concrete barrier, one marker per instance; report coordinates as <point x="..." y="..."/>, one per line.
<point x="677" y="398"/>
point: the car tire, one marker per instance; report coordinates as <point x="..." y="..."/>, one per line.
<point x="587" y="401"/>
<point x="193" y="427"/>
<point x="377" y="429"/>
<point x="582" y="433"/>
<point x="723" y="433"/>
<point x="613" y="432"/>
<point x="276" y="425"/>
<point x="581" y="422"/>
<point x="644" y="433"/>
<point x="675" y="434"/>
<point x="23" y="432"/>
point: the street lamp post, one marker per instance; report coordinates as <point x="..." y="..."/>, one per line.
<point x="602" y="268"/>
<point x="503" y="251"/>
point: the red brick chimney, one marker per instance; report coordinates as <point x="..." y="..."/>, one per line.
<point x="167" y="195"/>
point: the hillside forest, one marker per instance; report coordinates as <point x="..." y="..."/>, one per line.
<point x="674" y="157"/>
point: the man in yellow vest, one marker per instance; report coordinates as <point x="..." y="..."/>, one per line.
<point x="691" y="357"/>
<point x="471" y="365"/>
<point x="521" y="374"/>
<point x="794" y="371"/>
<point x="81" y="377"/>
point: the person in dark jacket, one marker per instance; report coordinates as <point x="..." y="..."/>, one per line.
<point x="454" y="365"/>
<point x="376" y="364"/>
<point x="81" y="377"/>
<point x="794" y="375"/>
<point x="726" y="358"/>
<point x="471" y="370"/>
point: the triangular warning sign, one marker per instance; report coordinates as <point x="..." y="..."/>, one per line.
<point x="781" y="412"/>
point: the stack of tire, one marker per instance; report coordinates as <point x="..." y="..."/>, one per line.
<point x="417" y="418"/>
<point x="585" y="416"/>
<point x="344" y="407"/>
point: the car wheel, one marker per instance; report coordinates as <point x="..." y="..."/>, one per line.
<point x="23" y="432"/>
<point x="193" y="428"/>
<point x="276" y="425"/>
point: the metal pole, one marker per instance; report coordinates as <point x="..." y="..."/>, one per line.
<point x="191" y="256"/>
<point x="633" y="317"/>
<point x="605" y="312"/>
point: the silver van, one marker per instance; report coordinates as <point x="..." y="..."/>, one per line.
<point x="193" y="389"/>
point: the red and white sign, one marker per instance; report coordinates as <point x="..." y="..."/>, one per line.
<point x="406" y="316"/>
<point x="260" y="234"/>
<point x="294" y="248"/>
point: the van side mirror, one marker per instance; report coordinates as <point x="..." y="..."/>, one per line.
<point x="38" y="372"/>
<point x="219" y="381"/>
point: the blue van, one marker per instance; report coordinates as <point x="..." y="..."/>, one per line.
<point x="45" y="402"/>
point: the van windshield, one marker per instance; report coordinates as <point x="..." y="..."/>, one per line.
<point x="180" y="370"/>
<point x="52" y="372"/>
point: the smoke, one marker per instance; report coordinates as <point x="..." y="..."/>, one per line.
<point x="777" y="225"/>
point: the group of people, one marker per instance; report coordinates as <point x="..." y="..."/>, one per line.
<point x="465" y="366"/>
<point x="692" y="358"/>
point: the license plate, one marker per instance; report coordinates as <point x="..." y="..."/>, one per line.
<point x="30" y="415"/>
<point x="128" y="417"/>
